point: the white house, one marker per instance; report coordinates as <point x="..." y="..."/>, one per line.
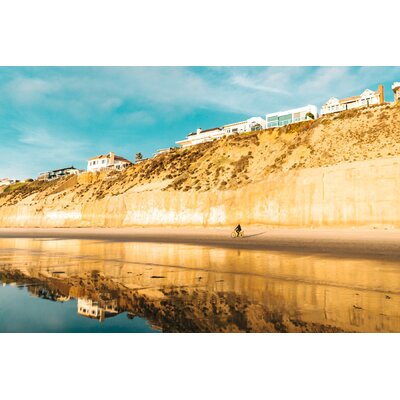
<point x="6" y="182"/>
<point x="251" y="124"/>
<point x="58" y="173"/>
<point x="366" y="98"/>
<point x="208" y="135"/>
<point x="282" y="118"/>
<point x="201" y="136"/>
<point x="162" y="151"/>
<point x="107" y="161"/>
<point x="256" y="124"/>
<point x="396" y="91"/>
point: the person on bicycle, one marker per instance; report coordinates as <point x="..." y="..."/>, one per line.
<point x="238" y="229"/>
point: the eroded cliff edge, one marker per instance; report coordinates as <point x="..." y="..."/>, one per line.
<point x="340" y="170"/>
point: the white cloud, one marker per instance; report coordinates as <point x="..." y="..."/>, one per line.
<point x="138" y="117"/>
<point x="38" y="149"/>
<point x="270" y="79"/>
<point x="37" y="138"/>
<point x="172" y="92"/>
<point x="110" y="103"/>
<point x="345" y="81"/>
<point x="29" y="90"/>
<point x="324" y="79"/>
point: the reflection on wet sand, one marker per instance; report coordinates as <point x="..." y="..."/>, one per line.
<point x="92" y="309"/>
<point x="181" y="288"/>
<point x="85" y="307"/>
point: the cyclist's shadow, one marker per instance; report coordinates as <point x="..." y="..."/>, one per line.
<point x="256" y="234"/>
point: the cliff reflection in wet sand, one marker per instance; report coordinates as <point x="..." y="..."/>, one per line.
<point x="181" y="288"/>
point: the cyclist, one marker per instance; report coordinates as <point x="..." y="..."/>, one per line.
<point x="238" y="229"/>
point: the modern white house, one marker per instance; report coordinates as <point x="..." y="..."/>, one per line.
<point x="201" y="136"/>
<point x="282" y="118"/>
<point x="251" y="124"/>
<point x="208" y="135"/>
<point x="107" y="161"/>
<point x="58" y="173"/>
<point x="396" y="91"/>
<point x="366" y="98"/>
<point x="256" y="124"/>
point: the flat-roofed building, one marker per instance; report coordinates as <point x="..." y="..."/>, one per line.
<point x="208" y="135"/>
<point x="366" y="98"/>
<point x="283" y="118"/>
<point x="201" y="136"/>
<point x="58" y="173"/>
<point x="251" y="124"/>
<point x="162" y="151"/>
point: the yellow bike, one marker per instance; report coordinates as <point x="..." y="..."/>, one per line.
<point x="236" y="234"/>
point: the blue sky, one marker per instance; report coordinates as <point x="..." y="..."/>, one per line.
<point x="53" y="117"/>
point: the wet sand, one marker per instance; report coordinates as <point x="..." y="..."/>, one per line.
<point x="193" y="288"/>
<point x="369" y="243"/>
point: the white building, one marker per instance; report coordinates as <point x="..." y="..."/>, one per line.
<point x="107" y="161"/>
<point x="396" y="91"/>
<point x="366" y="98"/>
<point x="162" y="151"/>
<point x="208" y="135"/>
<point x="58" y="173"/>
<point x="282" y="118"/>
<point x="251" y="124"/>
<point x="201" y="136"/>
<point x="256" y="124"/>
<point x="6" y="182"/>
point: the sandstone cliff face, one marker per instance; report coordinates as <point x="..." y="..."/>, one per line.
<point x="340" y="170"/>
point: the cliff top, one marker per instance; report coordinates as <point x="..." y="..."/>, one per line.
<point x="235" y="161"/>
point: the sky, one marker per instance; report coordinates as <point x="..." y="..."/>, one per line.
<point x="55" y="117"/>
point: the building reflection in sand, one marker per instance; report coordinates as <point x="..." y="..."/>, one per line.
<point x="180" y="288"/>
<point x="85" y="307"/>
<point x="92" y="309"/>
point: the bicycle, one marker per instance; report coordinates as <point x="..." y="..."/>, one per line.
<point x="236" y="234"/>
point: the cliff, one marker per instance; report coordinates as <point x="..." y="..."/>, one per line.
<point x="340" y="170"/>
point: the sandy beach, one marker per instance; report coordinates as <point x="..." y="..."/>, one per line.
<point x="338" y="242"/>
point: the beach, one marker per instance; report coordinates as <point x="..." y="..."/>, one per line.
<point x="174" y="287"/>
<point x="369" y="243"/>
